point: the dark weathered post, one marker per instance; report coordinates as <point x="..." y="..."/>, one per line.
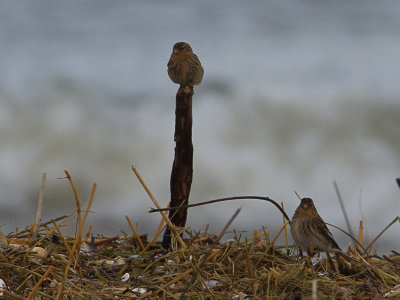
<point x="182" y="168"/>
<point x="184" y="68"/>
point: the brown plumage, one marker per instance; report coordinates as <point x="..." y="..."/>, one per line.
<point x="184" y="66"/>
<point x="309" y="231"/>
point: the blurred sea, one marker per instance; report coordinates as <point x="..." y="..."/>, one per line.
<point x="296" y="94"/>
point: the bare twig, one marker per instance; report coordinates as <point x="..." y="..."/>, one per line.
<point x="382" y="232"/>
<point x="365" y="231"/>
<point x="349" y="235"/>
<point x="272" y="242"/>
<point x="39" y="207"/>
<point x="361" y="234"/>
<point x="227" y="199"/>
<point x="229" y="223"/>
<point x="346" y="218"/>
<point x="76" y="242"/>
<point x="88" y="232"/>
<point x="78" y="206"/>
<point x="171" y="226"/>
<point x="28" y="228"/>
<point x="61" y="236"/>
<point x="40" y="281"/>
<point x="104" y="241"/>
<point x="160" y="225"/>
<point x="286" y="234"/>
<point x="135" y="232"/>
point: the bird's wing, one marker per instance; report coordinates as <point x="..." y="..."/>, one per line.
<point x="325" y="232"/>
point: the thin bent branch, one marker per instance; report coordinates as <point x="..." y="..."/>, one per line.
<point x="226" y="199"/>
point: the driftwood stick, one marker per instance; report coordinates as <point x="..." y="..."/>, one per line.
<point x="182" y="168"/>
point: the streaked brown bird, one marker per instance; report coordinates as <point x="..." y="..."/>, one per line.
<point x="309" y="231"/>
<point x="184" y="66"/>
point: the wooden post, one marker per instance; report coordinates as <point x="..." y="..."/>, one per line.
<point x="182" y="168"/>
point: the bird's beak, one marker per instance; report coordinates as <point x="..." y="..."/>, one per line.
<point x="305" y="206"/>
<point x="176" y="51"/>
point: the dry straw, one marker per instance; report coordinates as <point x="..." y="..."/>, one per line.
<point x="255" y="267"/>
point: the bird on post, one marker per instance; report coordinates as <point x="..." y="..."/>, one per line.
<point x="309" y="231"/>
<point x="184" y="66"/>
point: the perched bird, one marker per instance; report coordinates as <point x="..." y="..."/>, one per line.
<point x="184" y="66"/>
<point x="309" y="231"/>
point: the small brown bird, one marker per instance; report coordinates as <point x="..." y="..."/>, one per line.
<point x="309" y="231"/>
<point x="184" y="66"/>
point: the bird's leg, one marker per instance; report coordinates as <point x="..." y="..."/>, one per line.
<point x="309" y="262"/>
<point x="301" y="253"/>
<point x="310" y="252"/>
<point x="301" y="258"/>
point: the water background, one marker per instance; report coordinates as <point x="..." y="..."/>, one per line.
<point x="296" y="94"/>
